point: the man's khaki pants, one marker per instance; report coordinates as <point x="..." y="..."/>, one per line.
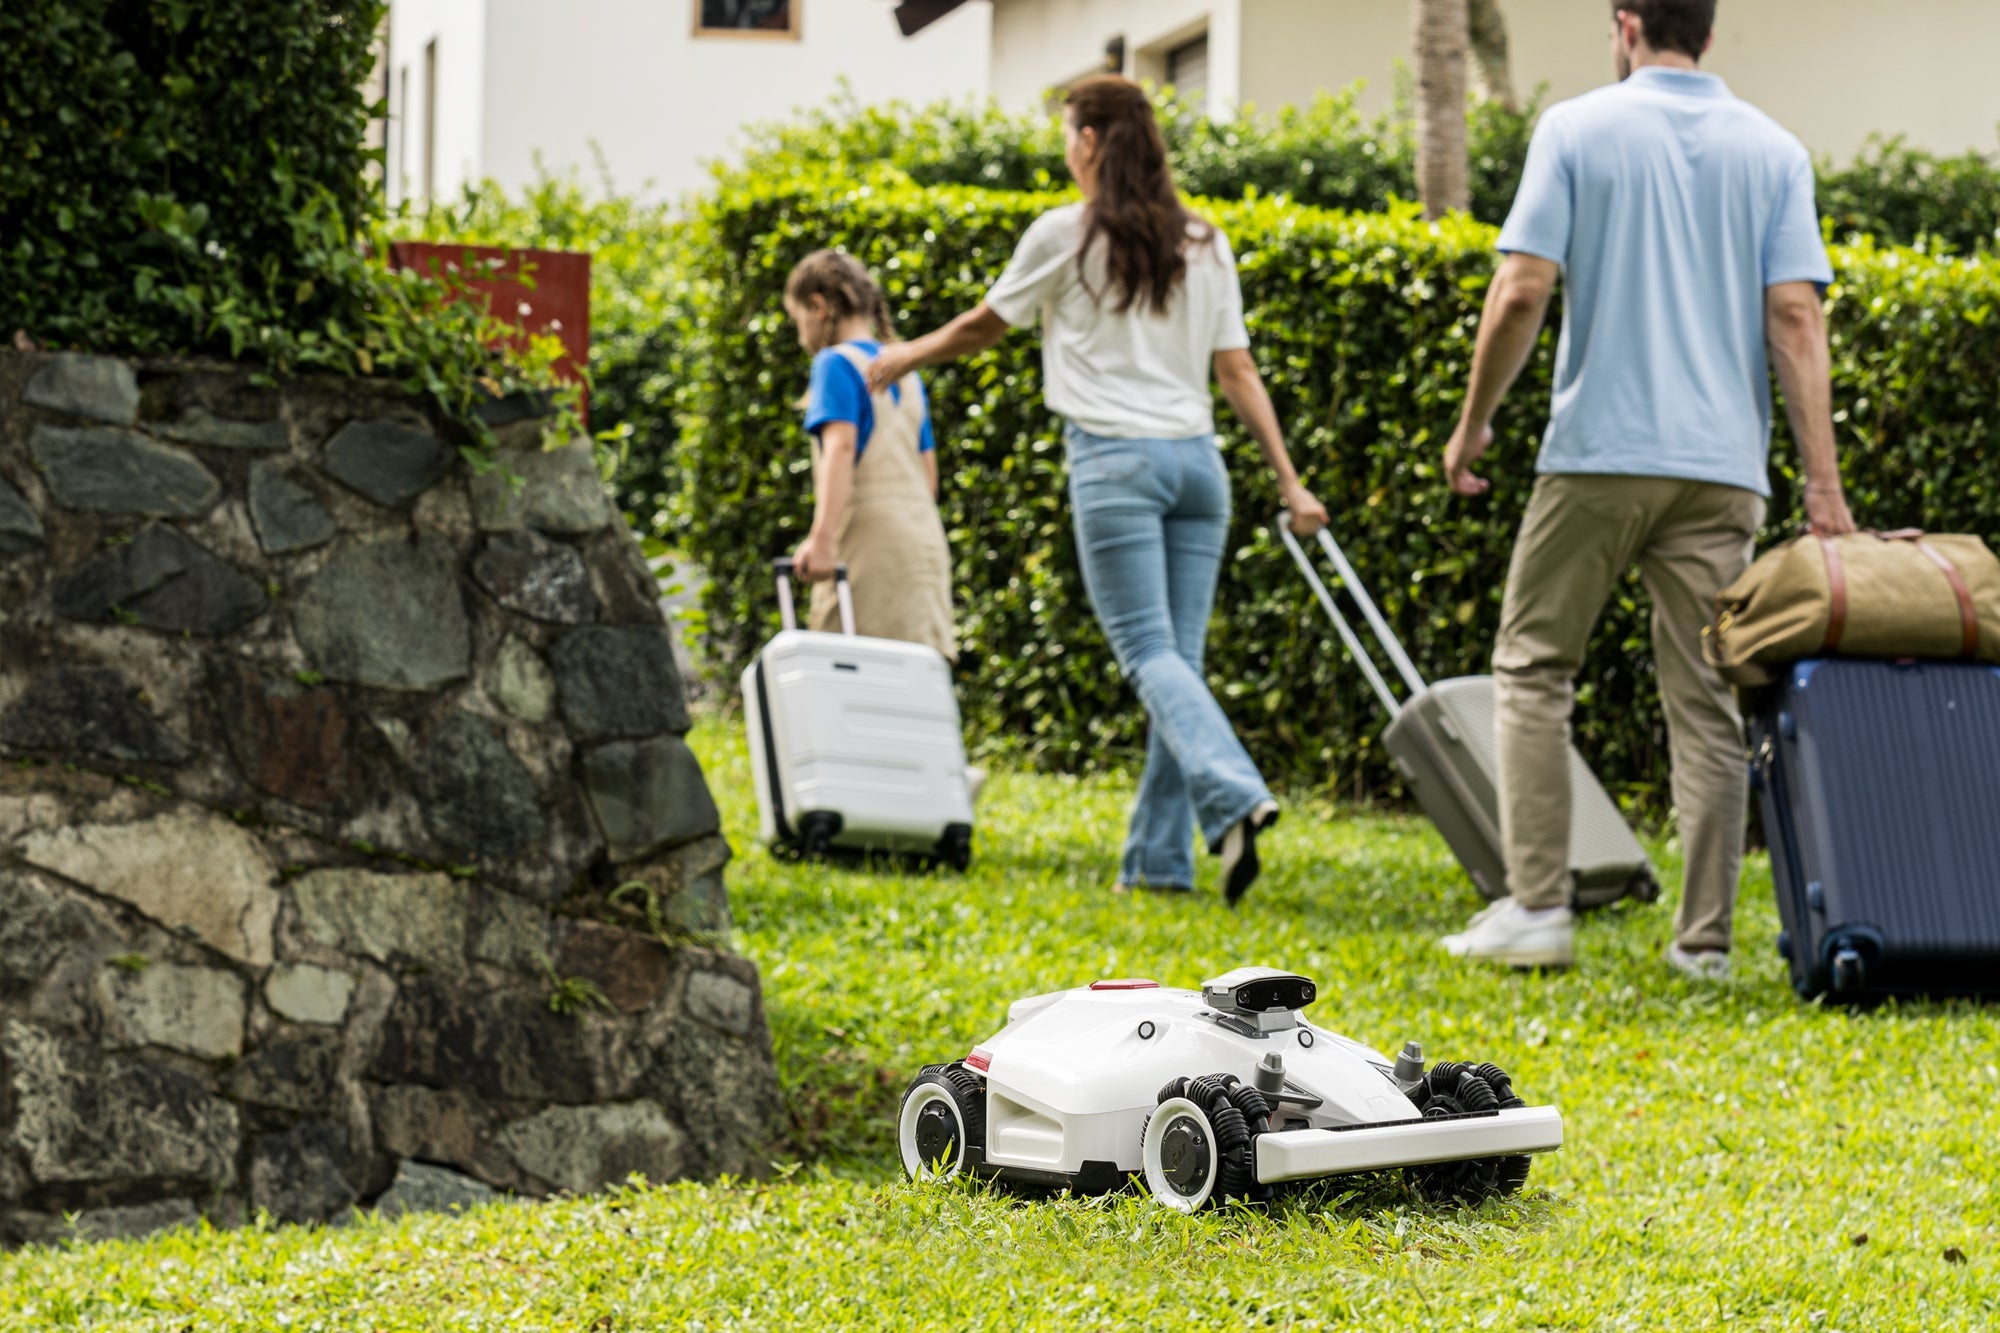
<point x="1690" y="540"/>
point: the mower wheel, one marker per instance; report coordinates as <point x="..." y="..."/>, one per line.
<point x="942" y="1128"/>
<point x="1451" y="1088"/>
<point x="1199" y="1145"/>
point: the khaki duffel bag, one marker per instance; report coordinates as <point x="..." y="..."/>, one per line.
<point x="1868" y="594"/>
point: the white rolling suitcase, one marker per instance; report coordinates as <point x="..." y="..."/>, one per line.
<point x="855" y="743"/>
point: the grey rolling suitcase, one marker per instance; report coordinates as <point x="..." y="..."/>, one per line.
<point x="1442" y="741"/>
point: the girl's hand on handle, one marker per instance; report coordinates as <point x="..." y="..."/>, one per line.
<point x="890" y="365"/>
<point x="814" y="561"/>
<point x="1308" y="514"/>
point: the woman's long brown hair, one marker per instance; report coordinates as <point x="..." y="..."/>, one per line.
<point x="1137" y="211"/>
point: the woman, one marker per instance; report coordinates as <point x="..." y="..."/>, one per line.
<point x="1138" y="297"/>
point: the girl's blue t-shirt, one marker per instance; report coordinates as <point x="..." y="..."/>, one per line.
<point x="838" y="393"/>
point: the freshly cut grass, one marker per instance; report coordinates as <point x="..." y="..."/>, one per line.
<point x="1734" y="1158"/>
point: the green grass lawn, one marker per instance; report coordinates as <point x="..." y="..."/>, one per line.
<point x="1734" y="1158"/>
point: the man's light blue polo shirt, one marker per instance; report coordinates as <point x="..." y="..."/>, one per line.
<point x="1671" y="206"/>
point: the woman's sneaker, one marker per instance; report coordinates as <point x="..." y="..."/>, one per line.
<point x="1511" y="934"/>
<point x="1239" y="851"/>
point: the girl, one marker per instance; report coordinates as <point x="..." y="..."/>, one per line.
<point x="874" y="466"/>
<point x="1138" y="298"/>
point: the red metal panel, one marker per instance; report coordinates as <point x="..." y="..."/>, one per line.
<point x="557" y="303"/>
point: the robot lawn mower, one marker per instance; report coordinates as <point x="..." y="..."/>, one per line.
<point x="1210" y="1095"/>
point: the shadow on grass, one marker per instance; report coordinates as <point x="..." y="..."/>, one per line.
<point x="1375" y="1213"/>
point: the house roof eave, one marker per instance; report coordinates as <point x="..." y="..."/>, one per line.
<point x="913" y="16"/>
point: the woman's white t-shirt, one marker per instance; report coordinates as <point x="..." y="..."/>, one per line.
<point x="1133" y="375"/>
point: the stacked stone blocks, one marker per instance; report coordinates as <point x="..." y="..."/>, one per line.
<point x="326" y="755"/>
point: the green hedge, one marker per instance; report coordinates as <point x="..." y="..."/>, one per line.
<point x="1326" y="153"/>
<point x="1330" y="156"/>
<point x="192" y="177"/>
<point x="154" y="147"/>
<point x="1363" y="325"/>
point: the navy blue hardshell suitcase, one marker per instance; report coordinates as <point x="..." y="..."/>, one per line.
<point x="1880" y="789"/>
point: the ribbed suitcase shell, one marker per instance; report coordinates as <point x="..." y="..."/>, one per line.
<point x="1442" y="739"/>
<point x="864" y="731"/>
<point x="1879" y="784"/>
<point x="1444" y="744"/>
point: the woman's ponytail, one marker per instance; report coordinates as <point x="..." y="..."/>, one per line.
<point x="1137" y="212"/>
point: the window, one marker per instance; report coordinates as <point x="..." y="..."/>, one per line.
<point x="1187" y="68"/>
<point x="747" y="18"/>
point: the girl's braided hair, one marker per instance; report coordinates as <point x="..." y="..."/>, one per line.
<point x="848" y="289"/>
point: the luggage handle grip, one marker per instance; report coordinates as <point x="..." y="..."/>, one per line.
<point x="783" y="566"/>
<point x="1377" y="623"/>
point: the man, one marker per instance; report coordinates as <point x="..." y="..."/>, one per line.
<point x="1682" y="223"/>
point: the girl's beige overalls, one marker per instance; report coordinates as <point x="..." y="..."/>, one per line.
<point x="890" y="537"/>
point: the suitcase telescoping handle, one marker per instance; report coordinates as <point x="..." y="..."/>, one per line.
<point x="782" y="567"/>
<point x="1376" y="621"/>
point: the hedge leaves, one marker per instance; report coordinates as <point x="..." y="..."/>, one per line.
<point x="1363" y="325"/>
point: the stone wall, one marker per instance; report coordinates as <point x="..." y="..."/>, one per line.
<point x="350" y="852"/>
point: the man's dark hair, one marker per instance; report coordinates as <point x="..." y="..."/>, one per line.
<point x="1673" y="25"/>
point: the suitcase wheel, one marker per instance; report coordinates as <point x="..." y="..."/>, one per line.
<point x="816" y="832"/>
<point x="955" y="847"/>
<point x="1850" y="972"/>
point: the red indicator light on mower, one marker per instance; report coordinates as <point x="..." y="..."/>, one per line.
<point x="1125" y="983"/>
<point x="979" y="1060"/>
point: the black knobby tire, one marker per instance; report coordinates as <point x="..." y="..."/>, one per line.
<point x="1237" y="1112"/>
<point x="1451" y="1088"/>
<point x="968" y="1098"/>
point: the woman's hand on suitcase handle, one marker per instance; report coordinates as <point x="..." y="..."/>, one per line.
<point x="815" y="559"/>
<point x="1308" y="514"/>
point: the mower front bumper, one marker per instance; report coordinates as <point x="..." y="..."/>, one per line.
<point x="1305" y="1154"/>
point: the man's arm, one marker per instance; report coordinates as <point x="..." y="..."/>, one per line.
<point x="1795" y="326"/>
<point x="1517" y="302"/>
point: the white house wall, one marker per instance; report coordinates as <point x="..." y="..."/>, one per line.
<point x="1039" y="44"/>
<point x="459" y="29"/>
<point x="630" y="76"/>
<point x="1832" y="71"/>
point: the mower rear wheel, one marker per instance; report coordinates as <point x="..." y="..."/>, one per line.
<point x="941" y="1130"/>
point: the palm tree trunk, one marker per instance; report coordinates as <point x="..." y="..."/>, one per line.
<point x="1441" y="39"/>
<point x="1491" y="71"/>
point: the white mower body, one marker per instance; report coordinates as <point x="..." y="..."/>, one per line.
<point x="1069" y="1088"/>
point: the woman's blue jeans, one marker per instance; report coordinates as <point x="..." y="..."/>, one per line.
<point x="1152" y="517"/>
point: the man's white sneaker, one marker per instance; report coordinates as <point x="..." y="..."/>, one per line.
<point x="1699" y="964"/>
<point x="1510" y="934"/>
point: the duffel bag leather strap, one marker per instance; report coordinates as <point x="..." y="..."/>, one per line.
<point x="1836" y="578"/>
<point x="1836" y="584"/>
<point x="1968" y="614"/>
